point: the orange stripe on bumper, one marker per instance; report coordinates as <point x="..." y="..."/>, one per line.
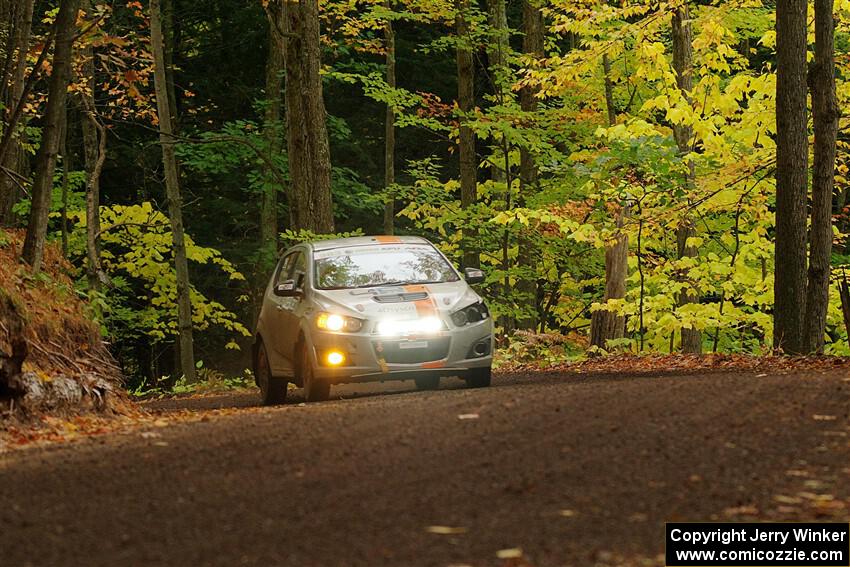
<point x="435" y="364"/>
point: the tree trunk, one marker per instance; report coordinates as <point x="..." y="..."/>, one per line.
<point x="66" y="181"/>
<point x="307" y="136"/>
<point x="789" y="288"/>
<point x="94" y="146"/>
<point x="175" y="205"/>
<point x="497" y="45"/>
<point x="606" y="325"/>
<point x="14" y="72"/>
<point x="389" y="126"/>
<point x="296" y="134"/>
<point x="609" y="90"/>
<point x="274" y="84"/>
<point x="466" y="137"/>
<point x="683" y="65"/>
<point x="95" y="151"/>
<point x="42" y="188"/>
<point x="169" y="39"/>
<point x="532" y="44"/>
<point x="825" y="114"/>
<point x="321" y="201"/>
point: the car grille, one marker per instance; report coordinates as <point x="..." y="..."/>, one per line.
<point x="392" y="353"/>
<point x="401" y="297"/>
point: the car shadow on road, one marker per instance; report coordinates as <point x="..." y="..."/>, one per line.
<point x="251" y="398"/>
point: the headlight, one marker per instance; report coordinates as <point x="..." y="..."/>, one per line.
<point x="336" y="323"/>
<point x="471" y="314"/>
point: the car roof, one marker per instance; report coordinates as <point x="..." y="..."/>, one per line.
<point x="365" y="241"/>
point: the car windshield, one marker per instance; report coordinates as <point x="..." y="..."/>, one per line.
<point x="382" y="264"/>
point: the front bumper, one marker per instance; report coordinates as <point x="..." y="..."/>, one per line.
<point x="370" y="358"/>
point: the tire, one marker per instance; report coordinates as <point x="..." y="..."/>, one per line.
<point x="315" y="389"/>
<point x="272" y="390"/>
<point x="427" y="382"/>
<point x="478" y="378"/>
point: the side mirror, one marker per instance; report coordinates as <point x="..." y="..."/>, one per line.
<point x="473" y="275"/>
<point x="287" y="289"/>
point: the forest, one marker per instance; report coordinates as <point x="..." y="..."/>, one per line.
<point x="642" y="176"/>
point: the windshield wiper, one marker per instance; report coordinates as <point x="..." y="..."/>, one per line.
<point x="413" y="282"/>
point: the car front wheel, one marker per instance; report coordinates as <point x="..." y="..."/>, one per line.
<point x="272" y="390"/>
<point x="315" y="389"/>
<point x="478" y="377"/>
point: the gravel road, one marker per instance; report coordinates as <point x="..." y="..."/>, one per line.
<point x="571" y="470"/>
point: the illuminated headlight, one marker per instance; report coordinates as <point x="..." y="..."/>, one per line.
<point x="470" y="314"/>
<point x="425" y="325"/>
<point x="334" y="322"/>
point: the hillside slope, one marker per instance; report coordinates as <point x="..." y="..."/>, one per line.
<point x="52" y="357"/>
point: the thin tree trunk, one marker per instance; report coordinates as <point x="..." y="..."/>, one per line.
<point x="683" y="65"/>
<point x="14" y="73"/>
<point x="175" y="205"/>
<point x="95" y="158"/>
<point x="169" y="38"/>
<point x="94" y="154"/>
<point x="497" y="53"/>
<point x="66" y="182"/>
<point x="389" y="127"/>
<point x="825" y="114"/>
<point x="789" y="288"/>
<point x="844" y="295"/>
<point x="606" y="325"/>
<point x="274" y="135"/>
<point x="497" y="45"/>
<point x="609" y="90"/>
<point x="466" y="137"/>
<point x="532" y="44"/>
<point x="42" y="188"/>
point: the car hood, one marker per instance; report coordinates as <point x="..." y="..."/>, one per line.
<point x="399" y="302"/>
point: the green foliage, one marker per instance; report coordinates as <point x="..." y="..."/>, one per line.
<point x="137" y="256"/>
<point x="293" y="237"/>
<point x="209" y="382"/>
<point x="76" y="195"/>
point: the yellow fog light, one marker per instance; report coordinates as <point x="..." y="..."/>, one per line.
<point x="335" y="358"/>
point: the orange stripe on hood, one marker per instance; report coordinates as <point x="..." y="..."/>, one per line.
<point x="424" y="307"/>
<point x="388" y="239"/>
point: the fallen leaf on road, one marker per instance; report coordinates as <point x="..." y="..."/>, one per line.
<point x="512" y="553"/>
<point x="782" y="499"/>
<point x="567" y="513"/>
<point x="818" y="417"/>
<point x="149" y="435"/>
<point x="468" y="416"/>
<point x="445" y="530"/>
<point x="816" y="497"/>
<point x="742" y="511"/>
<point x="161" y="423"/>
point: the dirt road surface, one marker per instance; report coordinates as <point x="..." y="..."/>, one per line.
<point x="571" y="470"/>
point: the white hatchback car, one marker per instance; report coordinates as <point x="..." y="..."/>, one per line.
<point x="366" y="309"/>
